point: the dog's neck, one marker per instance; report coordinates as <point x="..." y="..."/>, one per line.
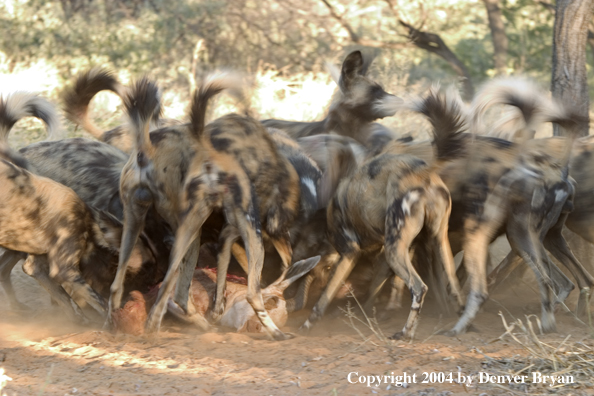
<point x="345" y="122"/>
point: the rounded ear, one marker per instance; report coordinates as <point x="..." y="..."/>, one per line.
<point x="352" y="66"/>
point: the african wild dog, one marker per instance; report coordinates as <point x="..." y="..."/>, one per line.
<point x="63" y="237"/>
<point x="308" y="171"/>
<point x="76" y="106"/>
<point x="309" y="182"/>
<point x="361" y="101"/>
<point x="11" y="110"/>
<point x="337" y="157"/>
<point x="498" y="186"/>
<point x="389" y="201"/>
<point x="92" y="170"/>
<point x="577" y="204"/>
<point x="530" y="202"/>
<point x="236" y="168"/>
<point x="152" y="178"/>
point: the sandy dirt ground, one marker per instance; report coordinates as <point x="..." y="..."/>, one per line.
<point x="44" y="354"/>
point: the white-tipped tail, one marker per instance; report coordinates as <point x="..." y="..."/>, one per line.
<point x="447" y="114"/>
<point x="143" y="105"/>
<point x="77" y="98"/>
<point x="24" y="104"/>
<point x="212" y="85"/>
<point x="533" y="106"/>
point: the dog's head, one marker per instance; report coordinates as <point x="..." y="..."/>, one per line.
<point x="362" y="96"/>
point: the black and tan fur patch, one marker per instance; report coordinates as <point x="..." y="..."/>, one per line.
<point x="360" y="101"/>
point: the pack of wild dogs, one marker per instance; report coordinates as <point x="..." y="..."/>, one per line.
<point x="145" y="220"/>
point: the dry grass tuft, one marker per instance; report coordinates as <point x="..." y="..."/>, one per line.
<point x="552" y="359"/>
<point x="367" y="328"/>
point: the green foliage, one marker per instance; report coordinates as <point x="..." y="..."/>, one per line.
<point x="159" y="36"/>
<point x="530" y="32"/>
<point x="289" y="40"/>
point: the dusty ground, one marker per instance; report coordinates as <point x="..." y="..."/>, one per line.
<point x="45" y="355"/>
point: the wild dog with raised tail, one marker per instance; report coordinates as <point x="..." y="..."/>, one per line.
<point x="528" y="201"/>
<point x="77" y="99"/>
<point x="63" y="237"/>
<point x="236" y="168"/>
<point x="389" y="200"/>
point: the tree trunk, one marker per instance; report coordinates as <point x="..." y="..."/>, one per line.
<point x="569" y="81"/>
<point x="497" y="35"/>
<point x="591" y="41"/>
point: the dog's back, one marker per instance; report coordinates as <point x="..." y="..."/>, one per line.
<point x="37" y="212"/>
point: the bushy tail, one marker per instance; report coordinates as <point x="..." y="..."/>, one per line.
<point x="19" y="105"/>
<point x="210" y="87"/>
<point x="446" y="113"/>
<point x="143" y="105"/>
<point x="532" y="103"/>
<point x="533" y="108"/>
<point x="77" y="98"/>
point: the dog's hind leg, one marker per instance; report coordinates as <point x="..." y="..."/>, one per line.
<point x="240" y="256"/>
<point x="82" y="290"/>
<point x="439" y="217"/>
<point x="557" y="245"/>
<point x="480" y="229"/>
<point x="188" y="232"/>
<point x="506" y="267"/>
<point x="397" y="289"/>
<point x="182" y="290"/>
<point x="282" y="244"/>
<point x="404" y="221"/>
<point x="64" y="261"/>
<point x="38" y="268"/>
<point x="251" y="234"/>
<point x="135" y="211"/>
<point x="525" y="244"/>
<point x="562" y="285"/>
<point x="227" y="239"/>
<point x="8" y="259"/>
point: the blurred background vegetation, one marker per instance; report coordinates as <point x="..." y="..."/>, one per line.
<point x="283" y="44"/>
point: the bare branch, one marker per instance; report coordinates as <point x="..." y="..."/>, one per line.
<point x="342" y="21"/>
<point x="433" y="43"/>
<point x="392" y="5"/>
<point x="362" y="40"/>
